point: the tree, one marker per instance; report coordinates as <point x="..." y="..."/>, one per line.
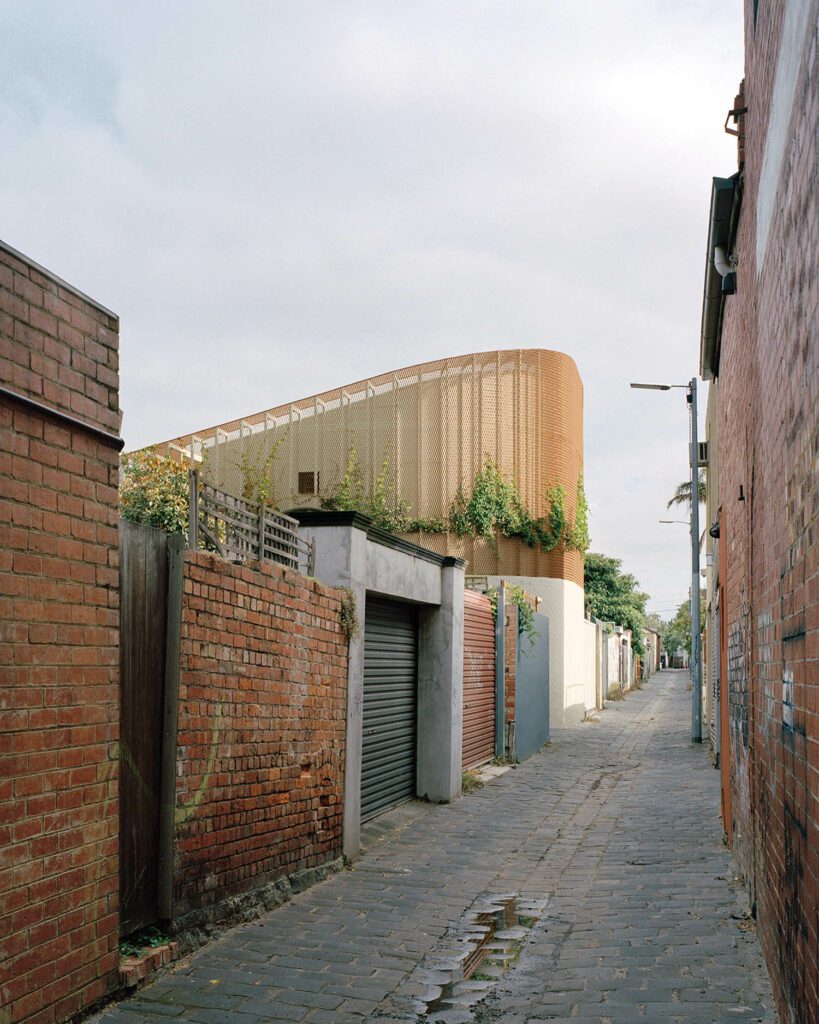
<point x="678" y="633"/>
<point x="153" y="491"/>
<point x="682" y="495"/>
<point x="614" y="596"/>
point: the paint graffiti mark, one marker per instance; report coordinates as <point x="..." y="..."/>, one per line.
<point x="787" y="700"/>
<point x="183" y="814"/>
<point x="739" y="697"/>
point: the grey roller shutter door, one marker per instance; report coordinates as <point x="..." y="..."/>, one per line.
<point x="388" y="753"/>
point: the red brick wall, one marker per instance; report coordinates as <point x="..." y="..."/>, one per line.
<point x="59" y="701"/>
<point x="262" y="721"/>
<point x="510" y="658"/>
<point x="769" y="451"/>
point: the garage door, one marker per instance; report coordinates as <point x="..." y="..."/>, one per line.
<point x="390" y="705"/>
<point x="479" y="680"/>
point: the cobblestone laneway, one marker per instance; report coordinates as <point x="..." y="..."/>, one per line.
<point x="616" y="824"/>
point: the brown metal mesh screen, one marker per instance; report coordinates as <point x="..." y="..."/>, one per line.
<point x="426" y="428"/>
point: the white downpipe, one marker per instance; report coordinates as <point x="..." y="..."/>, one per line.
<point x="721" y="262"/>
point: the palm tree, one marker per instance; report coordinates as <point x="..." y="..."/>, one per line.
<point x="682" y="495"/>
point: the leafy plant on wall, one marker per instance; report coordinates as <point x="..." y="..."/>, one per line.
<point x="257" y="474"/>
<point x="495" y="508"/>
<point x="381" y="502"/>
<point x="526" y="614"/>
<point x="153" y="491"/>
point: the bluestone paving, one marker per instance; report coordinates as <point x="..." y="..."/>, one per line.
<point x="616" y="824"/>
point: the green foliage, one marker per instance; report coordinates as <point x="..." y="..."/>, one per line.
<point x="678" y="631"/>
<point x="526" y="614"/>
<point x="349" y="494"/>
<point x="577" y="537"/>
<point x="150" y="938"/>
<point x="257" y="475"/>
<point x="349" y="615"/>
<point x="614" y="596"/>
<point x="470" y="782"/>
<point x="682" y="495"/>
<point x="495" y="508"/>
<point x="386" y="509"/>
<point x="426" y="526"/>
<point x="154" y="491"/>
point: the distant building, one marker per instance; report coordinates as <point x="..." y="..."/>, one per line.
<point x="419" y="434"/>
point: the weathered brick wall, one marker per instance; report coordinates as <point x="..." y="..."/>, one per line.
<point x="59" y="701"/>
<point x="769" y="492"/>
<point x="262" y="720"/>
<point x="510" y="658"/>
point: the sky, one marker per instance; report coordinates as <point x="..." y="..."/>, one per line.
<point x="285" y="196"/>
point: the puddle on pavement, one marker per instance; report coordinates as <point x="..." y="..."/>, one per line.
<point x="477" y="952"/>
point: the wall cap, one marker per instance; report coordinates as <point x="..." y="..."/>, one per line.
<point x="358" y="521"/>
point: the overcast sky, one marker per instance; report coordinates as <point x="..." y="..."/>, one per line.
<point x="281" y="197"/>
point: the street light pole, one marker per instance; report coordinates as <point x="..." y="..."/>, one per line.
<point x="696" y="660"/>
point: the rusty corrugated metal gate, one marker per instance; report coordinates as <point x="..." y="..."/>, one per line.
<point x="479" y="680"/>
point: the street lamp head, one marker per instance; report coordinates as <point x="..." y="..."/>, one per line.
<point x="683" y="521"/>
<point x="652" y="387"/>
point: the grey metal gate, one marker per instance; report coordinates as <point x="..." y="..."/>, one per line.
<point x="532" y="690"/>
<point x="388" y="755"/>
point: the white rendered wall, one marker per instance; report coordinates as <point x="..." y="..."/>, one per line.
<point x="562" y="602"/>
<point x="590" y="659"/>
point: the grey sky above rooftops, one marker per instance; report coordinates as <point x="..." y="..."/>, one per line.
<point x="281" y="198"/>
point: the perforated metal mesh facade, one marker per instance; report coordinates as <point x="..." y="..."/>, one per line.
<point x="427" y="428"/>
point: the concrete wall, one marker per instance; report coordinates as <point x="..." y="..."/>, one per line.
<point x="613" y="648"/>
<point x="351" y="554"/>
<point x="591" y="662"/>
<point x="562" y="602"/>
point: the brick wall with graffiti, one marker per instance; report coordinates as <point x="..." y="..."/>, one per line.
<point x="262" y="713"/>
<point x="769" y="496"/>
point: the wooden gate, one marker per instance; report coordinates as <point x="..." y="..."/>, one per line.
<point x="150" y="610"/>
<point x="479" y="681"/>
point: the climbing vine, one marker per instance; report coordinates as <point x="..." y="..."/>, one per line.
<point x="493" y="508"/>
<point x="349" y="615"/>
<point x="257" y="476"/>
<point x="381" y="502"/>
<point x="526" y="614"/>
<point x="577" y="537"/>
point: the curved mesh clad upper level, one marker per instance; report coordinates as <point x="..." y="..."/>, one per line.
<point x="423" y="429"/>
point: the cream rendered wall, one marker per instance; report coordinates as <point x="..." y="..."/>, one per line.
<point x="614" y="661"/>
<point x="562" y="602"/>
<point x="590" y="661"/>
